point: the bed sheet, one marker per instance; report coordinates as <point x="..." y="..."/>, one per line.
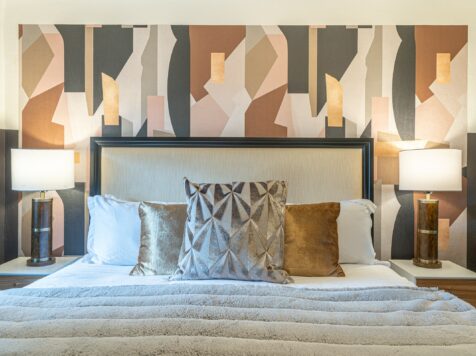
<point x="81" y="274"/>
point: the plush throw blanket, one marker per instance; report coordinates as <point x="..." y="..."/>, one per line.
<point x="188" y="319"/>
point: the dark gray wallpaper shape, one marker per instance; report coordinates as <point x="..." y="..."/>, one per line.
<point x="111" y="130"/>
<point x="8" y="199"/>
<point x="112" y="48"/>
<point x="471" y="174"/>
<point x="73" y="38"/>
<point x="143" y="130"/>
<point x="402" y="238"/>
<point x="2" y="196"/>
<point x="73" y="201"/>
<point x="403" y="84"/>
<point x="178" y="83"/>
<point x="335" y="132"/>
<point x="336" y="48"/>
<point x="11" y="199"/>
<point x="367" y="133"/>
<point x="298" y="58"/>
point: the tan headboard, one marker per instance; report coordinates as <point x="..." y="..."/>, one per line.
<point x="153" y="169"/>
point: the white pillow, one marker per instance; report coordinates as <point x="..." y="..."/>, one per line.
<point x="114" y="231"/>
<point x="354" y="226"/>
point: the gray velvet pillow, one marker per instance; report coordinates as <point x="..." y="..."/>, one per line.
<point x="162" y="227"/>
<point x="234" y="231"/>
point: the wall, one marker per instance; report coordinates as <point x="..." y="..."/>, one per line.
<point x="251" y="12"/>
<point x="2" y="118"/>
<point x="2" y="62"/>
<point x="247" y="12"/>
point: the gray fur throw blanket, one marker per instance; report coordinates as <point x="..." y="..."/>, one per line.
<point x="188" y="319"/>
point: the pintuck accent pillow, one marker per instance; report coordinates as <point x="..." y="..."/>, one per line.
<point x="162" y="228"/>
<point x="311" y="246"/>
<point x="234" y="231"/>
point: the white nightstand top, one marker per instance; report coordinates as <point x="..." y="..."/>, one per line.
<point x="449" y="270"/>
<point x="18" y="267"/>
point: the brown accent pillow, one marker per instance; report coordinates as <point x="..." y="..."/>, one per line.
<point x="311" y="246"/>
<point x="162" y="228"/>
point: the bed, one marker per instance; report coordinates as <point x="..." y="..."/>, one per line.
<point x="81" y="274"/>
<point x="99" y="309"/>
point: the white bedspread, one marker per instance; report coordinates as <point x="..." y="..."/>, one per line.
<point x="89" y="275"/>
<point x="231" y="319"/>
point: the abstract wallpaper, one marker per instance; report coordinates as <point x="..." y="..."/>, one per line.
<point x="405" y="86"/>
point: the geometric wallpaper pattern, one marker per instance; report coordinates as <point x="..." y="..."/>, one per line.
<point x="404" y="86"/>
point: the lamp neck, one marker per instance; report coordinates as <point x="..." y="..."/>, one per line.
<point x="42" y="194"/>
<point x="428" y="195"/>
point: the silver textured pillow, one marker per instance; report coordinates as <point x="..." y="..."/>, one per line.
<point x="234" y="231"/>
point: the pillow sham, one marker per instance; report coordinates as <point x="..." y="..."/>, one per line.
<point x="114" y="231"/>
<point x="311" y="246"/>
<point x="234" y="231"/>
<point x="162" y="228"/>
<point x="354" y="226"/>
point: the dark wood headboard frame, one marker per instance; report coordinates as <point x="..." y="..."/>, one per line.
<point x="365" y="144"/>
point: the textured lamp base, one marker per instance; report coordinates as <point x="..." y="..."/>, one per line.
<point x="426" y="264"/>
<point x="34" y="262"/>
<point x="426" y="249"/>
<point x="41" y="232"/>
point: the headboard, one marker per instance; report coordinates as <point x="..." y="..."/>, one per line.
<point x="317" y="169"/>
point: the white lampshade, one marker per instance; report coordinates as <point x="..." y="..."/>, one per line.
<point x="36" y="170"/>
<point x="430" y="170"/>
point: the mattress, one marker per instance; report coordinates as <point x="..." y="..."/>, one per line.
<point x="103" y="310"/>
<point x="81" y="274"/>
<point x="233" y="318"/>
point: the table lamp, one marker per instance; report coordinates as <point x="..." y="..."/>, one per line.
<point x="42" y="170"/>
<point x="429" y="170"/>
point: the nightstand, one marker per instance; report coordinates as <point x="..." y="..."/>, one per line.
<point x="451" y="278"/>
<point x="16" y="274"/>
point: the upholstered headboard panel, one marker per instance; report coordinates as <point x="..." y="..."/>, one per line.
<point x="153" y="169"/>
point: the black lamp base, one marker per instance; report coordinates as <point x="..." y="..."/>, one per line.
<point x="41" y="232"/>
<point x="34" y="262"/>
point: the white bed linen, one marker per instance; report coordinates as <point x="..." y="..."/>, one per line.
<point x="80" y="274"/>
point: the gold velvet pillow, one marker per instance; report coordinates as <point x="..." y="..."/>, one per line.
<point x="311" y="246"/>
<point x="162" y="227"/>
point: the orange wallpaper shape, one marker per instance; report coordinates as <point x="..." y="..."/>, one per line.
<point x="443" y="68"/>
<point x="205" y="40"/>
<point x="38" y="131"/>
<point x="431" y="40"/>
<point x="217" y="67"/>
<point x="334" y="101"/>
<point x="261" y="115"/>
<point x="110" y="92"/>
